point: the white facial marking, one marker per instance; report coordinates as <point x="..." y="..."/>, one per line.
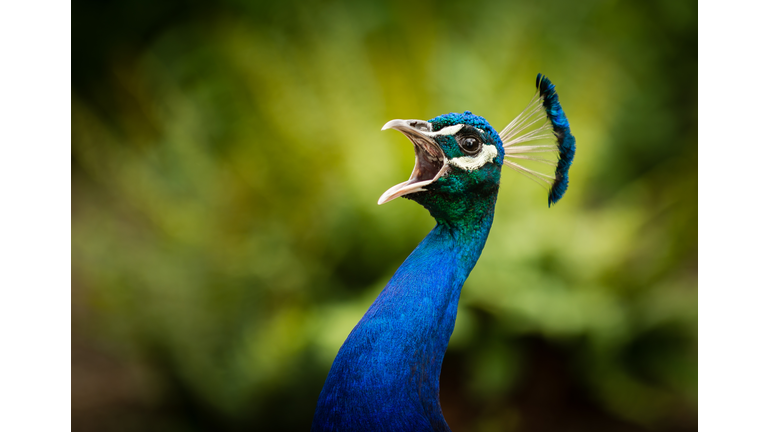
<point x="471" y="163"/>
<point x="448" y="130"/>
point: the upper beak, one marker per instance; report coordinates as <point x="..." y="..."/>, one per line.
<point x="430" y="160"/>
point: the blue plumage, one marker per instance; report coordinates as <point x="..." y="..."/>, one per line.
<point x="386" y="375"/>
<point x="566" y="143"/>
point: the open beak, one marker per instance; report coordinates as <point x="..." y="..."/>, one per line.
<point x="430" y="159"/>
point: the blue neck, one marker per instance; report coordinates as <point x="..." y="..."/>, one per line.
<point x="386" y="376"/>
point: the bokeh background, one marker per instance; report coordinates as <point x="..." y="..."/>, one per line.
<point x="227" y="159"/>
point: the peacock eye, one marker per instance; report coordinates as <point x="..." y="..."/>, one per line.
<point x="470" y="145"/>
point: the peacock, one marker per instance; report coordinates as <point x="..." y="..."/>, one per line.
<point x="386" y="375"/>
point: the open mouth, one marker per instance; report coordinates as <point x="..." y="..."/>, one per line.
<point x="430" y="160"/>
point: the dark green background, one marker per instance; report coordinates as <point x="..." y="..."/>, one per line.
<point x="227" y="159"/>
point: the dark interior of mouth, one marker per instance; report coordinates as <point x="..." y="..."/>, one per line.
<point x="428" y="161"/>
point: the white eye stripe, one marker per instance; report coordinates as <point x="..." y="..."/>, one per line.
<point x="470" y="163"/>
<point x="448" y="130"/>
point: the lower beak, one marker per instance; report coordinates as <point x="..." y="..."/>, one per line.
<point x="430" y="160"/>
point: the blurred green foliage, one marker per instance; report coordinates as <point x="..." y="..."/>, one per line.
<point x="227" y="159"/>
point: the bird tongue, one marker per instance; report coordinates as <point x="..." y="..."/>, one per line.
<point x="430" y="162"/>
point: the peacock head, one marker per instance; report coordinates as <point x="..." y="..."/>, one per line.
<point x="459" y="156"/>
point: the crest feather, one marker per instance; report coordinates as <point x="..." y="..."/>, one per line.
<point x="542" y="120"/>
